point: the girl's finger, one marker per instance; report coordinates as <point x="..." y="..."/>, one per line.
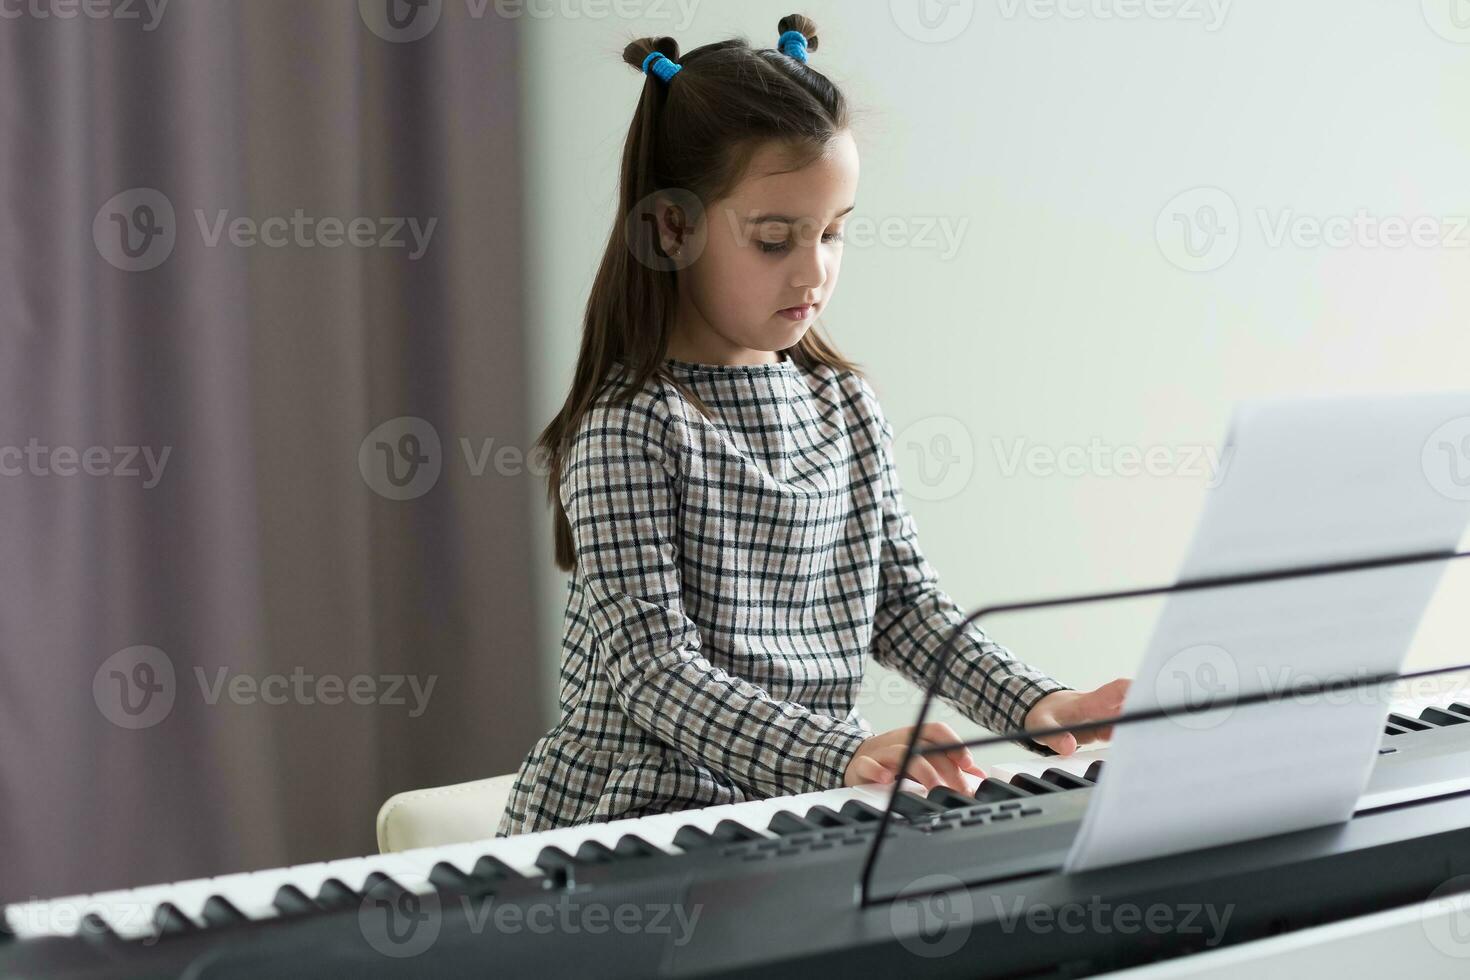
<point x="867" y="770"/>
<point x="967" y="763"/>
<point x="1063" y="744"/>
<point x="948" y="769"/>
<point x="919" y="769"/>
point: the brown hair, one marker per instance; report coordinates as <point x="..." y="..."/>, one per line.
<point x="694" y="134"/>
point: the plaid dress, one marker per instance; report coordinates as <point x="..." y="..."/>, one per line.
<point x="731" y="576"/>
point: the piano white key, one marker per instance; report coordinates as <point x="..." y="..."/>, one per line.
<point x="130" y="913"/>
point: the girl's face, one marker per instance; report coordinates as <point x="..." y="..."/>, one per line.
<point x="766" y="258"/>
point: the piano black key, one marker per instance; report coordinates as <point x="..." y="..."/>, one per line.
<point x="291" y="900"/>
<point x="1439" y="716"/>
<point x="595" y="852"/>
<point x="1031" y="784"/>
<point x="169" y="921"/>
<point x="951" y="799"/>
<point x="825" y="816"/>
<point x="490" y="869"/>
<point x="382" y="887"/>
<point x="1094" y="771"/>
<point x="860" y="812"/>
<point x="693" y="839"/>
<point x="915" y="807"/>
<point x="447" y="878"/>
<point x="1404" y="721"/>
<point x="94" y="928"/>
<point x="786" y="822"/>
<point x="631" y="845"/>
<point x="733" y="832"/>
<point x="553" y="859"/>
<point x="335" y="895"/>
<point x="220" y="912"/>
<point x="1394" y="730"/>
<point x="1065" y="779"/>
<point x="995" y="790"/>
<point x="1459" y="708"/>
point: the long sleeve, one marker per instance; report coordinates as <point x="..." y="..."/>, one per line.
<point x="619" y="487"/>
<point x="982" y="679"/>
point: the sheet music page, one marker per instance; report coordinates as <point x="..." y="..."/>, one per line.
<point x="1308" y="481"/>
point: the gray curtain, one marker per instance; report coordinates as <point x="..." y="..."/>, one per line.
<point x="260" y="582"/>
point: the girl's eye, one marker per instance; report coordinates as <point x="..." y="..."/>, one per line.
<point x="773" y="247"/>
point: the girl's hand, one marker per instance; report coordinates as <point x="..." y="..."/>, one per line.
<point x="878" y="758"/>
<point x="1074" y="708"/>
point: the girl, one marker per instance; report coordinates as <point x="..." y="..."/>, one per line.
<point x="723" y="484"/>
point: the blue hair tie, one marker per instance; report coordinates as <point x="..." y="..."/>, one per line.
<point x="793" y="44"/>
<point x="662" y="66"/>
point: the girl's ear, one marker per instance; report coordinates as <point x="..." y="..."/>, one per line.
<point x="674" y="227"/>
<point x="681" y="230"/>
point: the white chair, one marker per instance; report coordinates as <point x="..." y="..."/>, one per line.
<point x="443" y="814"/>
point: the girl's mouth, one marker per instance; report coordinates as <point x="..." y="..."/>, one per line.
<point x="797" y="312"/>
